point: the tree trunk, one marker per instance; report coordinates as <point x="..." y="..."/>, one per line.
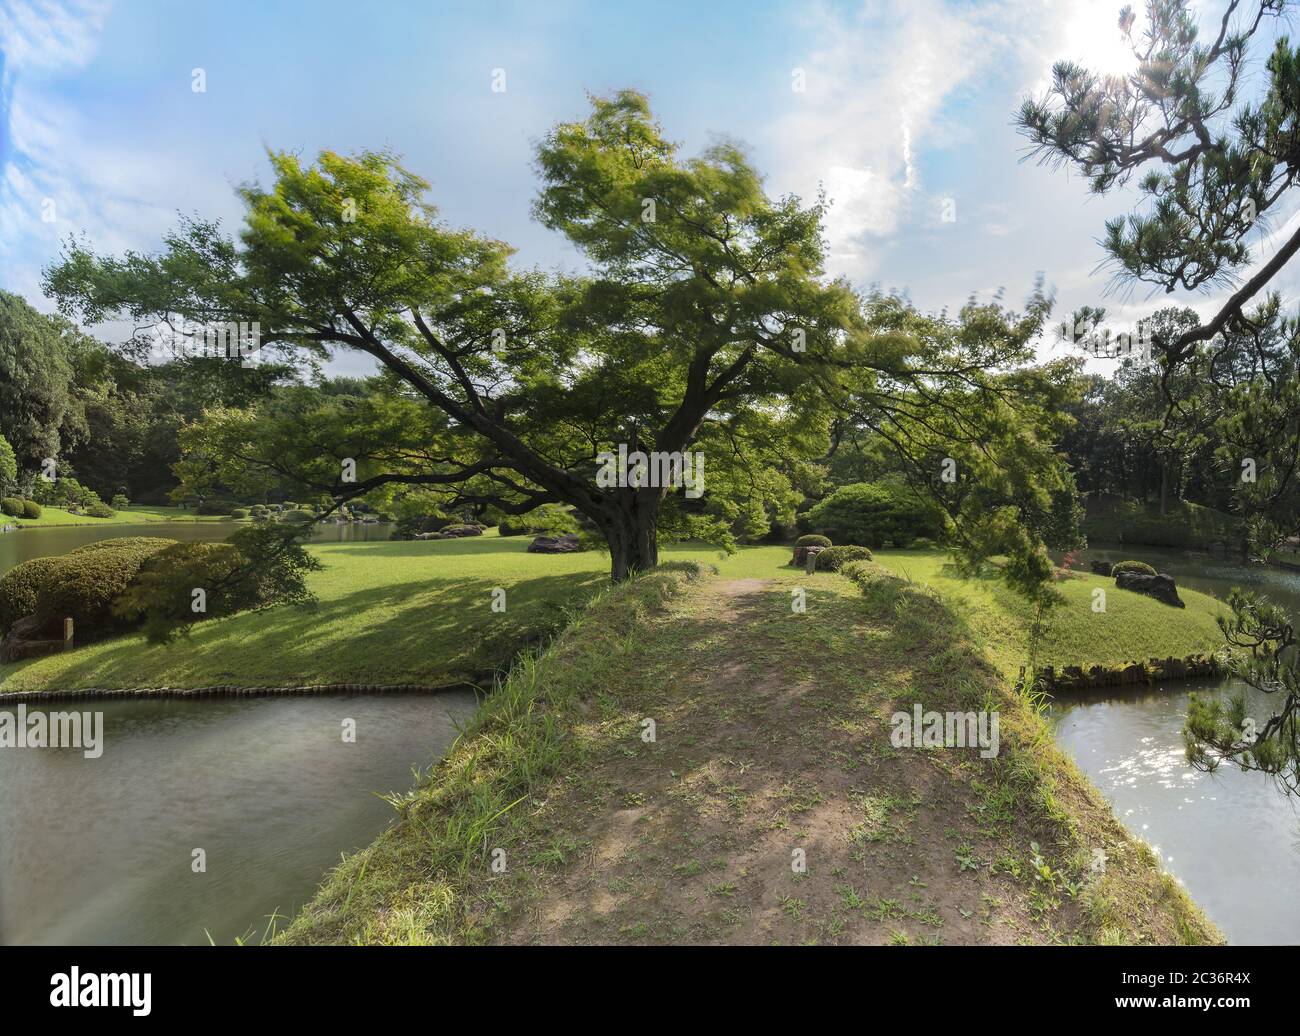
<point x="1164" y="488"/>
<point x="633" y="534"/>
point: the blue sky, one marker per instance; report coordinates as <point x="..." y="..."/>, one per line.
<point x="907" y="109"/>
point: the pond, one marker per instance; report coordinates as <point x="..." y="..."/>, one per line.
<point x="25" y="544"/>
<point x="100" y="850"/>
<point x="1231" y="838"/>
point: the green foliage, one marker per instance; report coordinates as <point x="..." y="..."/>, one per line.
<point x="1140" y="567"/>
<point x="83" y="584"/>
<point x="812" y="540"/>
<point x="64" y="491"/>
<point x="240" y="513"/>
<point x="8" y="465"/>
<point x="100" y="510"/>
<point x="31" y="509"/>
<point x="19" y="589"/>
<point x="1262" y="635"/>
<point x="547" y="520"/>
<point x="119" y="502"/>
<point x="36" y="401"/>
<point x="258" y="567"/>
<point x="833" y="558"/>
<point x="874" y="513"/>
<point x="12" y="506"/>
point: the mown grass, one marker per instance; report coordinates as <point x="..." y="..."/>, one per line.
<point x="1132" y="628"/>
<point x="773" y="731"/>
<point x="387" y="613"/>
<point x="57" y="516"/>
<point x="420" y="612"/>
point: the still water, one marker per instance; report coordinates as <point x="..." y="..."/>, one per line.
<point x="96" y="851"/>
<point x="1231" y="838"/>
<point x="101" y="850"/>
<point x="25" y="544"/>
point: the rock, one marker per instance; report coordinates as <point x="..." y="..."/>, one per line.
<point x="26" y="639"/>
<point x="1161" y="587"/>
<point x="1102" y="568"/>
<point x="566" y="544"/>
<point x="800" y="559"/>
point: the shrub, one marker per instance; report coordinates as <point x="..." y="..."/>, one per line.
<point x="240" y="513"/>
<point x="119" y="502"/>
<point x="257" y="567"/>
<point x="302" y="514"/>
<point x="8" y="464"/>
<point x="19" y="589"/>
<point x="830" y="559"/>
<point x="100" y="510"/>
<point x="1132" y="566"/>
<point x="410" y="526"/>
<point x="31" y="509"/>
<point x="83" y="584"/>
<point x="547" y="520"/>
<point x="870" y="513"/>
<point x="222" y="507"/>
<point x="812" y="540"/>
<point x="12" y="505"/>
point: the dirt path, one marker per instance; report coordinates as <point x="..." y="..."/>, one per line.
<point x="770" y="806"/>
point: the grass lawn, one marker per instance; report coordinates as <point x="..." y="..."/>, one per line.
<point x="420" y="612"/>
<point x="1132" y="628"/>
<point x="388" y="613"/>
<point x="54" y="516"/>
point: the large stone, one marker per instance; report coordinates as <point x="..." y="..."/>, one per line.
<point x="1161" y="587"/>
<point x="801" y="554"/>
<point x="566" y="544"/>
<point x="27" y="639"/>
<point x="1102" y="568"/>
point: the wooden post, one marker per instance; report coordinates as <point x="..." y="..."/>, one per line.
<point x="67" y="634"/>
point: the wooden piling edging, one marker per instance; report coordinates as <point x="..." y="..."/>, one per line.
<point x="1076" y="678"/>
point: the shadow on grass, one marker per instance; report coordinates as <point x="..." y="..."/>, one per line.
<point x="440" y="631"/>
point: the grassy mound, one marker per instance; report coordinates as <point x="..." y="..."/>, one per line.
<point x="772" y="731"/>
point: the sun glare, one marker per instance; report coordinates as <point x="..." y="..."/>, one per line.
<point x="1093" y="39"/>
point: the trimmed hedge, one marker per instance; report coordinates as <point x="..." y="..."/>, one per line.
<point x="20" y="587"/>
<point x="31" y="509"/>
<point x="1132" y="566"/>
<point x="100" y="510"/>
<point x="871" y="514"/>
<point x="82" y="585"/>
<point x="812" y="540"/>
<point x="239" y="513"/>
<point x="12" y="505"/>
<point x="832" y="558"/>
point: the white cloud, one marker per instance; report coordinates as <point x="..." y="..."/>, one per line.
<point x="875" y="97"/>
<point x="50" y="34"/>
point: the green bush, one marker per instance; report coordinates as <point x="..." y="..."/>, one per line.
<point x="12" y="505"/>
<point x="870" y="513"/>
<point x="19" y="589"/>
<point x="830" y="559"/>
<point x="547" y="520"/>
<point x="221" y="507"/>
<point x="239" y="513"/>
<point x="100" y="510"/>
<point x="257" y="567"/>
<point x="302" y="514"/>
<point x="83" y="584"/>
<point x="812" y="540"/>
<point x="119" y="502"/>
<point x="31" y="509"/>
<point x="1132" y="566"/>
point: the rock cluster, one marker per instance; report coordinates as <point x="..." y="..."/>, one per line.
<point x="1161" y="587"/>
<point x="566" y="544"/>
